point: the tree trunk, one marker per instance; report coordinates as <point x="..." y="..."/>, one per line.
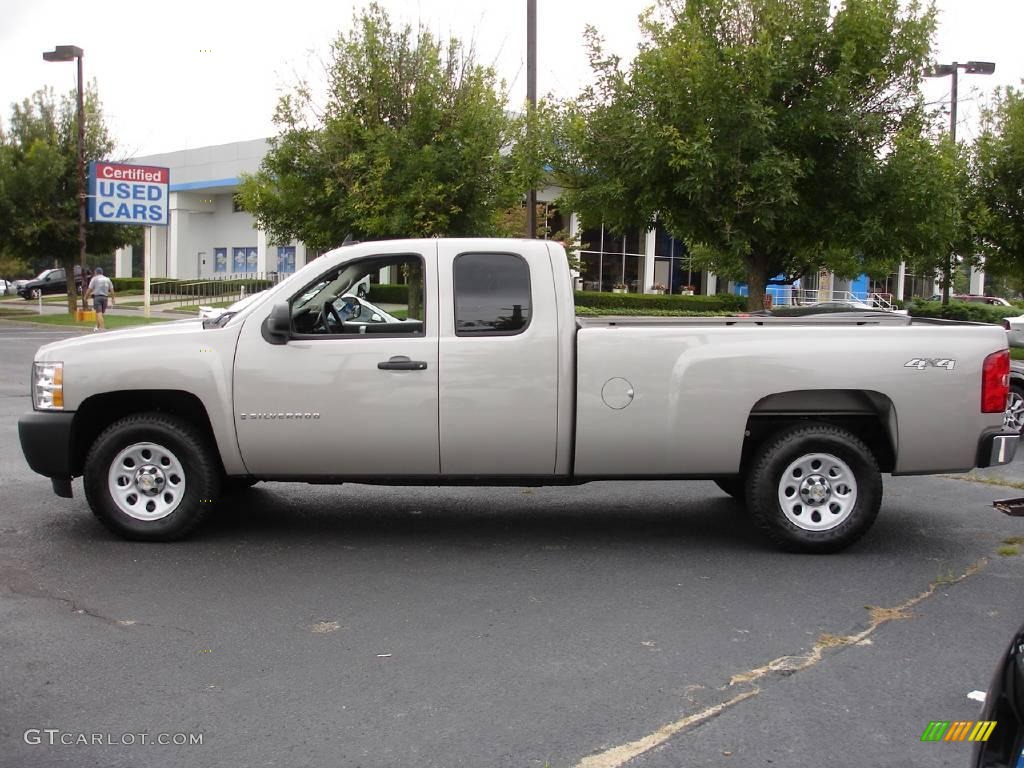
<point x="415" y="283"/>
<point x="757" y="279"/>
<point x="69" y="276"/>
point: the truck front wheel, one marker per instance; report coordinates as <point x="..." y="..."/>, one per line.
<point x="815" y="488"/>
<point x="151" y="477"/>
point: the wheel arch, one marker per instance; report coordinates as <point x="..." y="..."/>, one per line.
<point x="98" y="412"/>
<point x="868" y="414"/>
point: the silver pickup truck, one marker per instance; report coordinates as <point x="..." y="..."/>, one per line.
<point x="481" y="373"/>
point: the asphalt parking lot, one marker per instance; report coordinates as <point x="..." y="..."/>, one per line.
<point x="612" y="624"/>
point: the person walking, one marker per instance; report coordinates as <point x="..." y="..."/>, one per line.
<point x="101" y="288"/>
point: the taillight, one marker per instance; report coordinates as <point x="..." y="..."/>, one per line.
<point x="995" y="382"/>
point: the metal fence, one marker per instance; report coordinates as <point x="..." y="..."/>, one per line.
<point x="216" y="290"/>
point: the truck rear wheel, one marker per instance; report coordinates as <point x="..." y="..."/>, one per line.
<point x="151" y="477"/>
<point x="815" y="488"/>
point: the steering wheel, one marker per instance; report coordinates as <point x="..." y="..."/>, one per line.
<point x="329" y="313"/>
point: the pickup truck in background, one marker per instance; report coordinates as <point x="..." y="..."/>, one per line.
<point x="486" y="376"/>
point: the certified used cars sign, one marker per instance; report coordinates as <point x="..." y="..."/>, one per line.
<point x="128" y="194"/>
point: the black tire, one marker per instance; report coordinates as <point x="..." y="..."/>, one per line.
<point x="858" y="508"/>
<point x="734" y="486"/>
<point x="193" y="451"/>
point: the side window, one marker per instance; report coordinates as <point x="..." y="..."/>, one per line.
<point x="492" y="294"/>
<point x="382" y="295"/>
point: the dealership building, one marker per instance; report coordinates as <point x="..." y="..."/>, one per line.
<point x="208" y="237"/>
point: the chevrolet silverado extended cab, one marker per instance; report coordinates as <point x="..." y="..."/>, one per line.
<point x="483" y="374"/>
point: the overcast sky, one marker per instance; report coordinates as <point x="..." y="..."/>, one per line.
<point x="196" y="72"/>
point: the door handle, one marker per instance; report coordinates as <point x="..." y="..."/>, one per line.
<point x="402" y="363"/>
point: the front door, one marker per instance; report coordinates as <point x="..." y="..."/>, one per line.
<point x="344" y="398"/>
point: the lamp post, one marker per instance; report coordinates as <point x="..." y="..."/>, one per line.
<point x="953" y="70"/>
<point x="69" y="53"/>
<point x="531" y="106"/>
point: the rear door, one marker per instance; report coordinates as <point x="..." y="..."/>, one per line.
<point x="498" y="357"/>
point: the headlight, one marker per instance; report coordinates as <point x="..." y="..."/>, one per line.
<point x="48" y="386"/>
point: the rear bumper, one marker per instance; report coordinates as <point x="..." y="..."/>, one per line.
<point x="46" y="443"/>
<point x="997" y="448"/>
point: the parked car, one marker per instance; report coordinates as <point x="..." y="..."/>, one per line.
<point x="212" y="313"/>
<point x="975" y="299"/>
<point x="5" y="286"/>
<point x="15" y="287"/>
<point x="50" y="281"/>
<point x="1014" y="330"/>
<point x="494" y="380"/>
<point x="841" y="305"/>
<point x="1004" y="706"/>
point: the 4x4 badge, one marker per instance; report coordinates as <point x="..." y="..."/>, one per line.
<point x="930" y="362"/>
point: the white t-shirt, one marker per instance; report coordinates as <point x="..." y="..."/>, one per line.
<point x="100" y="285"/>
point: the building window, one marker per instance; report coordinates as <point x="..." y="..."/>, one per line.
<point x="609" y="260"/>
<point x="492" y="294"/>
<point x="243" y="259"/>
<point x="220" y="259"/>
<point x="236" y="204"/>
<point x="673" y="265"/>
<point x="286" y="258"/>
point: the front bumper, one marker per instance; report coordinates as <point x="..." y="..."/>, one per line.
<point x="997" y="448"/>
<point x="46" y="443"/>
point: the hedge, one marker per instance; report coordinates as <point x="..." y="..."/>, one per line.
<point x="726" y="303"/>
<point x="609" y="303"/>
<point x="963" y="310"/>
<point x="383" y="293"/>
<point x="649" y="312"/>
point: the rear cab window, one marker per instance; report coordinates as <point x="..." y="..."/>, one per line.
<point x="492" y="294"/>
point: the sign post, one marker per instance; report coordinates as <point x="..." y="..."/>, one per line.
<point x="120" y="193"/>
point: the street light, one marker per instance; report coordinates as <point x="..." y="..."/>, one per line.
<point x="69" y="53"/>
<point x="953" y="70"/>
<point x="531" y="99"/>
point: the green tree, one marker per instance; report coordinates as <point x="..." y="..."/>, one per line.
<point x="927" y="208"/>
<point x="999" y="158"/>
<point x="758" y="131"/>
<point x="408" y="144"/>
<point x="39" y="182"/>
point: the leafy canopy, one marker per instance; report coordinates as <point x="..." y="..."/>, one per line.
<point x="758" y="131"/>
<point x="39" y="180"/>
<point x="999" y="162"/>
<point x="408" y="144"/>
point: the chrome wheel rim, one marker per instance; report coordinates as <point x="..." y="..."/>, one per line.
<point x="817" y="492"/>
<point x="146" y="481"/>
<point x="1014" y="416"/>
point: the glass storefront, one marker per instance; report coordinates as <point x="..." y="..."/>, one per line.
<point x="673" y="265"/>
<point x="610" y="261"/>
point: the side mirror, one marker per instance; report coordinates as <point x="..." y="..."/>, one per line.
<point x="376" y="318"/>
<point x="278" y="325"/>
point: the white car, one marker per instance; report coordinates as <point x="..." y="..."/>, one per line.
<point x="361" y="311"/>
<point x="212" y="313"/>
<point x="1014" y="330"/>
